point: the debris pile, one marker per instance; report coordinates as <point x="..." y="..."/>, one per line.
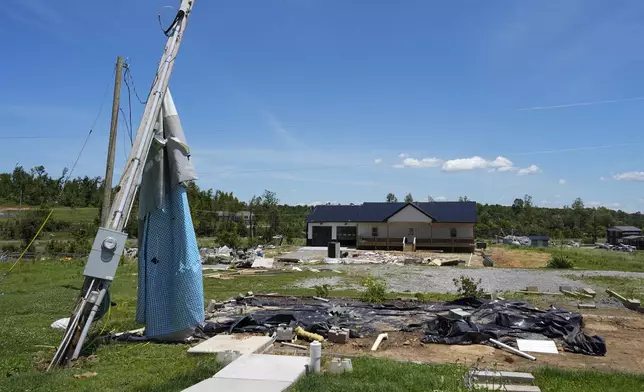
<point x="464" y="321"/>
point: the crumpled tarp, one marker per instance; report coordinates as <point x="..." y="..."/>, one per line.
<point x="490" y="319"/>
<point x="498" y="319"/>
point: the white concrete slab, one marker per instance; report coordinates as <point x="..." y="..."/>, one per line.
<point x="262" y="262"/>
<point x="265" y="367"/>
<point x="537" y="346"/>
<point x="244" y="345"/>
<point x="238" y="385"/>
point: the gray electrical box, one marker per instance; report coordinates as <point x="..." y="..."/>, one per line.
<point x="105" y="255"/>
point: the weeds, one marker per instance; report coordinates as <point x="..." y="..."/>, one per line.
<point x="376" y="292"/>
<point x="322" y="291"/>
<point x="468" y="287"/>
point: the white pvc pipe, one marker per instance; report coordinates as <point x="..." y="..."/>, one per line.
<point x="316" y="355"/>
<point x="513" y="350"/>
<point x="379" y="340"/>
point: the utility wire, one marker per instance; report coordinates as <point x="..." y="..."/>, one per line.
<point x="128" y="128"/>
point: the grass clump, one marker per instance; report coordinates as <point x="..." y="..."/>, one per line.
<point x="559" y="261"/>
<point x="468" y="287"/>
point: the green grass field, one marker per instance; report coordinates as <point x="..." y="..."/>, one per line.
<point x="592" y="259"/>
<point x="382" y="375"/>
<point x="628" y="287"/>
<point x="36" y="294"/>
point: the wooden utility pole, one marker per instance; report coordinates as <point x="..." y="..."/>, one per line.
<point x="111" y="150"/>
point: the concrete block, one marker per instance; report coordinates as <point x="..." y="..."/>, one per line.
<point x="532" y="288"/>
<point x="460" y="314"/>
<point x="339" y="335"/>
<point x="221" y="343"/>
<point x="565" y="288"/>
<point x="507" y="388"/>
<point x="632" y="303"/>
<point x="586" y="306"/>
<point x="285" y="333"/>
<point x="488" y="376"/>
<point x="571" y="293"/>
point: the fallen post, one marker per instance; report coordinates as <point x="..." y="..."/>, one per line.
<point x="537" y="293"/>
<point x="513" y="350"/>
<point x="301" y="347"/>
<point x="616" y="295"/>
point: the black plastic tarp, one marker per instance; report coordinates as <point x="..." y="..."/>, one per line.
<point x="490" y="319"/>
<point x="498" y="319"/>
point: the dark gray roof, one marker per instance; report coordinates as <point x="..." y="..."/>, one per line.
<point x="539" y="238"/>
<point x="624" y="228"/>
<point x="633" y="237"/>
<point x="439" y="211"/>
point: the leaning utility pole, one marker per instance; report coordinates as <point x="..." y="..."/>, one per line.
<point x="110" y="239"/>
<point x="111" y="149"/>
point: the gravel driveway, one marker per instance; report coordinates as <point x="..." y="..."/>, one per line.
<point x="439" y="279"/>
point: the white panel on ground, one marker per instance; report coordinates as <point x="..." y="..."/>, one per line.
<point x="537" y="346"/>
<point x="265" y="367"/>
<point x="219" y="343"/>
<point x="262" y="262"/>
<point x="237" y="385"/>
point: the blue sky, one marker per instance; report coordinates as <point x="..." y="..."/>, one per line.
<point x="345" y="101"/>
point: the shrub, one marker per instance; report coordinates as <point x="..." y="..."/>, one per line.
<point x="559" y="261"/>
<point x="421" y="297"/>
<point x="468" y="287"/>
<point x="55" y="246"/>
<point x="375" y="292"/>
<point x="322" y="291"/>
<point x="11" y="248"/>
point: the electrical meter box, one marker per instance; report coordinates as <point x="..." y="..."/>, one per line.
<point x="105" y="254"/>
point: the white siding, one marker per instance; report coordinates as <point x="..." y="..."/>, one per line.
<point x="410" y="214"/>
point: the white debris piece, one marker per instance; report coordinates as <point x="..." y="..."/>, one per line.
<point x="60" y="324"/>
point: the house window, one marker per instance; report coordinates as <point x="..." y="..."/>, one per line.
<point x="374" y="232"/>
<point x="452" y="233"/>
<point x="411" y="232"/>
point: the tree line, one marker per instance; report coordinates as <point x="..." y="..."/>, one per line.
<point x="214" y="212"/>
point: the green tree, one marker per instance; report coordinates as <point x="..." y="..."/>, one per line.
<point x="391" y="198"/>
<point x="463" y="198"/>
<point x="409" y="198"/>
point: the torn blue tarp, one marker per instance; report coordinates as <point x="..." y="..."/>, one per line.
<point x="170" y="294"/>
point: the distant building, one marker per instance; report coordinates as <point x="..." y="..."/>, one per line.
<point x="615" y="235"/>
<point x="539" y="241"/>
<point x="240" y="216"/>
<point x="405" y="226"/>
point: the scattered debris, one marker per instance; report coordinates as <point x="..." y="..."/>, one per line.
<point x="301" y="347"/>
<point x="586" y="306"/>
<point x="379" y="339"/>
<point x="460" y="314"/>
<point x="308" y="335"/>
<point x="321" y="299"/>
<point x="85" y="375"/>
<point x="501" y="381"/>
<point x="261" y="262"/>
<point x="537" y="293"/>
<point x="537" y="346"/>
<point x="60" y="324"/>
<point x="513" y="350"/>
<point x="589" y="291"/>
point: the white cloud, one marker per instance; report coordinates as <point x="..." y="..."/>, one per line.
<point x="501" y="164"/>
<point x="462" y="164"/>
<point x="629" y="176"/>
<point x="403" y="155"/>
<point x="398" y="166"/>
<point x="562" y="181"/>
<point x="377" y="160"/>
<point x="532" y="169"/>
<point x="440" y="198"/>
<point x="425" y="162"/>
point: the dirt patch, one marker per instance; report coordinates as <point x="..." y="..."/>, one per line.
<point x="621" y="330"/>
<point x="514" y="258"/>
